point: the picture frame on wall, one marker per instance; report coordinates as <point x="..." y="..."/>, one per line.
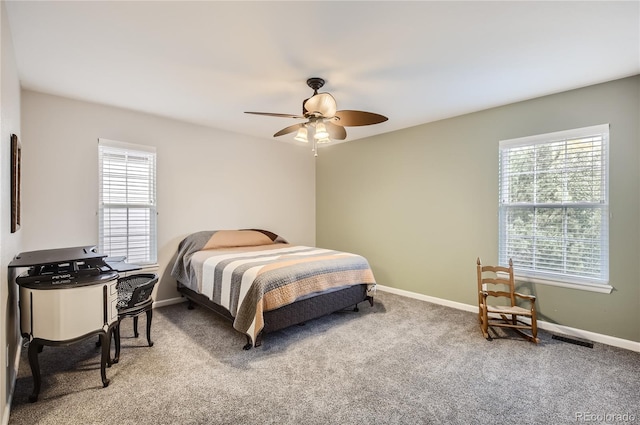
<point x="16" y="154"/>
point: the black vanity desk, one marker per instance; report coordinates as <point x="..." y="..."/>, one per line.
<point x="66" y="295"/>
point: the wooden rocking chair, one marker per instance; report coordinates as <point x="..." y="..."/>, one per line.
<point x="505" y="316"/>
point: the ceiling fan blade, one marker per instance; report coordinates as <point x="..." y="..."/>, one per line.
<point x="322" y="103"/>
<point x="336" y="132"/>
<point x="288" y="130"/>
<point x="356" y="118"/>
<point x="271" y="114"/>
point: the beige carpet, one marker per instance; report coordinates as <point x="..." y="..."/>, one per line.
<point x="402" y="361"/>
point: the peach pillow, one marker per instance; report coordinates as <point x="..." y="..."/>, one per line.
<point x="234" y="238"/>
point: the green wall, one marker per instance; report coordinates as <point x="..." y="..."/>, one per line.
<point x="421" y="204"/>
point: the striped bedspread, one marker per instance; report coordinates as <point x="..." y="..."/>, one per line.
<point x="249" y="280"/>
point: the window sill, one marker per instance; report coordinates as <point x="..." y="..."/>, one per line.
<point x="145" y="268"/>
<point x="591" y="287"/>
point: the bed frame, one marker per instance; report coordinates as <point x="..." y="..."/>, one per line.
<point x="291" y="314"/>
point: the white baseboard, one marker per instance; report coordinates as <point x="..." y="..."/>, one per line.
<point x="7" y="408"/>
<point x="169" y="301"/>
<point x="551" y="327"/>
<point x="16" y="365"/>
<point x="434" y="300"/>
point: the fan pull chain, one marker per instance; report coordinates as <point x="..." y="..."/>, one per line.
<point x="314" y="147"/>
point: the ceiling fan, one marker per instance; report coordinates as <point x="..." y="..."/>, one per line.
<point x="324" y="121"/>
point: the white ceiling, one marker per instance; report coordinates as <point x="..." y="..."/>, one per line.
<point x="206" y="62"/>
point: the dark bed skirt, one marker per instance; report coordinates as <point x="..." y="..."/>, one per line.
<point x="295" y="313"/>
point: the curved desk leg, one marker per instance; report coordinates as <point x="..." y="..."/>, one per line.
<point x="34" y="349"/>
<point x="105" y="341"/>
<point x="149" y="317"/>
<point x="116" y="336"/>
<point x="135" y="326"/>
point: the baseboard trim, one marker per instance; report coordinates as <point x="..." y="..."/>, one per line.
<point x="548" y="326"/>
<point x="7" y="408"/>
<point x="434" y="300"/>
<point x="16" y="365"/>
<point x="170" y="301"/>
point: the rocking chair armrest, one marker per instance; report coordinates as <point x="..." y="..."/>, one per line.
<point x="531" y="298"/>
<point x="486" y="294"/>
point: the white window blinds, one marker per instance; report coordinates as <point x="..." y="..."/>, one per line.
<point x="554" y="205"/>
<point x="127" y="197"/>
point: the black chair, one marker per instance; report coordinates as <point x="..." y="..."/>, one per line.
<point x="134" y="298"/>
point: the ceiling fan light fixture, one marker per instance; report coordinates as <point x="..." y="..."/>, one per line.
<point x="302" y="135"/>
<point x="323" y="121"/>
<point x="321" y="131"/>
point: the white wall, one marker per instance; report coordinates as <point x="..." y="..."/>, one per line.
<point x="10" y="243"/>
<point x="207" y="179"/>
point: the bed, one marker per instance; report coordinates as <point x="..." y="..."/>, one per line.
<point x="261" y="283"/>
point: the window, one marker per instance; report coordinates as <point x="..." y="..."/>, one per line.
<point x="554" y="207"/>
<point x="127" y="201"/>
